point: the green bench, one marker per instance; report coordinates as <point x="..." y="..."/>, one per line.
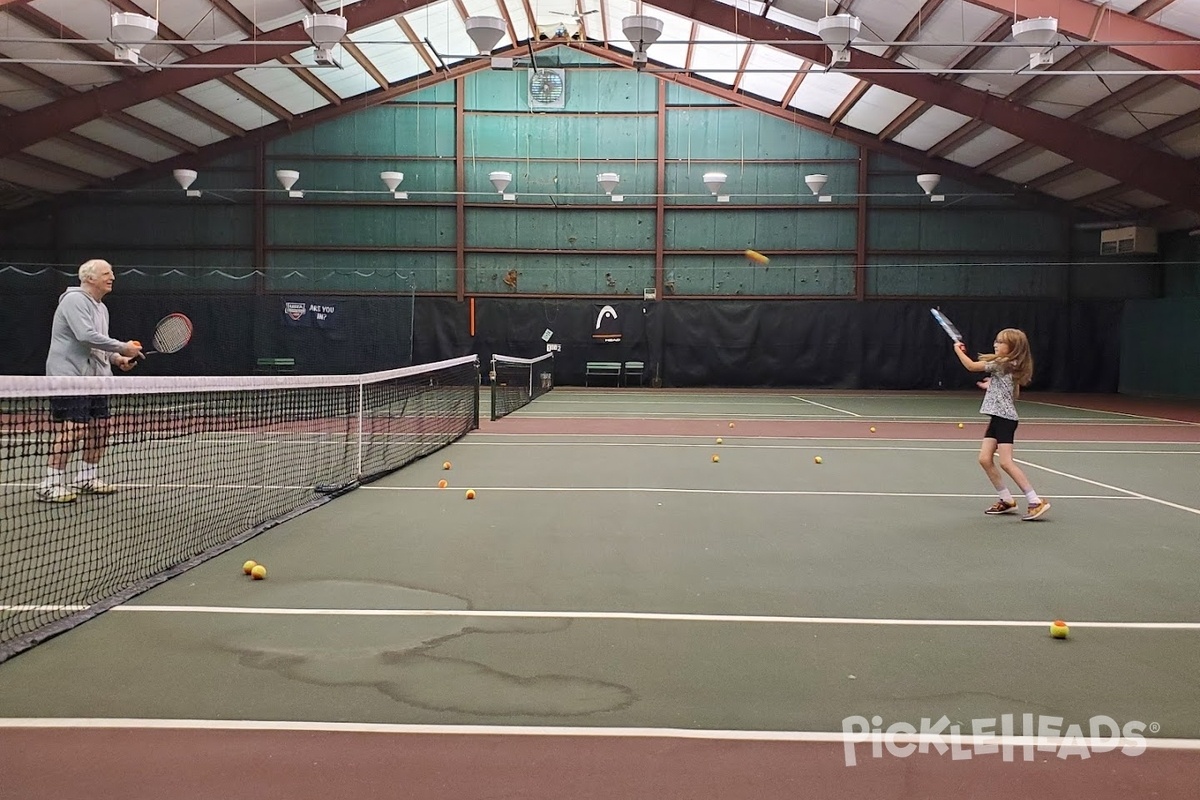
<point x="275" y="366"/>
<point x="602" y="369"/>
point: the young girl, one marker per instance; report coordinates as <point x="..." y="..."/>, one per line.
<point x="1010" y="367"/>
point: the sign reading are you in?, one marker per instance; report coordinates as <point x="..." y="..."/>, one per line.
<point x="308" y="314"/>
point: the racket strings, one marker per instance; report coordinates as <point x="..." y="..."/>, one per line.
<point x="172" y="335"/>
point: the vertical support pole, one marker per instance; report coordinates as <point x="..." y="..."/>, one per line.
<point x="361" y="413"/>
<point x="860" y="242"/>
<point x="260" y="218"/>
<point x="460" y="186"/>
<point x="660" y="184"/>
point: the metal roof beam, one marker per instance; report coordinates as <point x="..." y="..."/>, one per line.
<point x="48" y="121"/>
<point x="1138" y="166"/>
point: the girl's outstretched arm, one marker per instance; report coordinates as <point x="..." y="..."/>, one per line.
<point x="960" y="350"/>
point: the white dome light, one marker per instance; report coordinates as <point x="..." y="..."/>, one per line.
<point x="130" y="32"/>
<point x="486" y="32"/>
<point x="185" y="178"/>
<point x="287" y="179"/>
<point x="392" y="180"/>
<point x="838" y="31"/>
<point x="641" y="31"/>
<point x="1037" y="34"/>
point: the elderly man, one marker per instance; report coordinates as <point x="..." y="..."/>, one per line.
<point x="80" y="346"/>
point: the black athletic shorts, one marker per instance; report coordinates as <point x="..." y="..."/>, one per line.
<point x="79" y="409"/>
<point x="1001" y="429"/>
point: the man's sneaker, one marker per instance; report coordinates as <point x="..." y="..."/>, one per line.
<point x="1036" y="510"/>
<point x="93" y="486"/>
<point x="1001" y="507"/>
<point x="56" y="493"/>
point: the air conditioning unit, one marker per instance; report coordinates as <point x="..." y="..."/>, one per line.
<point x="1120" y="241"/>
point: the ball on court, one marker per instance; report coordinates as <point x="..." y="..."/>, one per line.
<point x="259" y="572"/>
<point x="446" y="465"/>
<point x="731" y="424"/>
<point x="872" y="430"/>
<point x="470" y="494"/>
<point x="716" y="458"/>
<point x="960" y="424"/>
<point x="817" y="460"/>
<point x="248" y="566"/>
<point x="442" y="484"/>
<point x="1059" y="629"/>
<point x="756" y="256"/>
<point x="719" y="440"/>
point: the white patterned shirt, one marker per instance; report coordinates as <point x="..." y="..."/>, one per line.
<point x="998" y="401"/>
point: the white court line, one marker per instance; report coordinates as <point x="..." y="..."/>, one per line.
<point x="643" y="616"/>
<point x="741" y="437"/>
<point x="1110" y="487"/>
<point x="965" y="740"/>
<point x="822" y="405"/>
<point x="1116" y="413"/>
<point x="778" y="492"/>
<point x="525" y="413"/>
<point x="971" y="448"/>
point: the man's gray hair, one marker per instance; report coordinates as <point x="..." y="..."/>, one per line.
<point x="89" y="268"/>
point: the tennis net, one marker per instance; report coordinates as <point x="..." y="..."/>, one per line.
<point x="516" y="382"/>
<point x="198" y="465"/>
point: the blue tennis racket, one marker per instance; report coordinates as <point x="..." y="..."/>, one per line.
<point x="946" y="324"/>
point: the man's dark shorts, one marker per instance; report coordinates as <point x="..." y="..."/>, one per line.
<point x="79" y="409"/>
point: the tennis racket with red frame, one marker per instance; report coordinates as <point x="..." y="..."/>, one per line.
<point x="171" y="335"/>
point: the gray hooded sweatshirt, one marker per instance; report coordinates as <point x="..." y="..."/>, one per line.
<point x="79" y="341"/>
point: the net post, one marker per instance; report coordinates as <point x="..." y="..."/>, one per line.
<point x="478" y="383"/>
<point x="492" y="389"/>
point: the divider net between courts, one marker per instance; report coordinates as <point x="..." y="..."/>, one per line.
<point x="516" y="382"/>
<point x="201" y="465"/>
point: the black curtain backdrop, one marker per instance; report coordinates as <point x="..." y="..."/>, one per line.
<point x="877" y="344"/>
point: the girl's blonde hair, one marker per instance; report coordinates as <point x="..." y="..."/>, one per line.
<point x="1019" y="360"/>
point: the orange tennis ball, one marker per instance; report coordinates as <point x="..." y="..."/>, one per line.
<point x="754" y="255"/>
<point x="470" y="494"/>
<point x="259" y="572"/>
<point x="446" y="465"/>
<point x="442" y="484"/>
<point x="248" y="566"/>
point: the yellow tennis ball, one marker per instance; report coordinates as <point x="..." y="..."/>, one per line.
<point x="719" y="440"/>
<point x="446" y="465"/>
<point x="1059" y="629"/>
<point x="731" y="424"/>
<point x="754" y="255"/>
<point x="817" y="460"/>
<point x="960" y="424"/>
<point x="716" y="458"/>
<point x="442" y="484"/>
<point x="470" y="494"/>
<point x="248" y="566"/>
<point x="872" y="430"/>
<point x="259" y="572"/>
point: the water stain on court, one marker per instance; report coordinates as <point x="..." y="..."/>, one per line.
<point x="396" y="655"/>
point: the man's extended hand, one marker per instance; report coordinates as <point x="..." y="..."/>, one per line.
<point x="124" y="363"/>
<point x="131" y="349"/>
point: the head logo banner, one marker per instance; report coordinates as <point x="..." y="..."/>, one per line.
<point x="608" y="325"/>
<point x="308" y="315"/>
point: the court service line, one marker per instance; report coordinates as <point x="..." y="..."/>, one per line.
<point x="1110" y="487"/>
<point x="742" y="437"/>
<point x="939" y="741"/>
<point x="641" y="616"/>
<point x="781" y="492"/>
<point x="972" y="447"/>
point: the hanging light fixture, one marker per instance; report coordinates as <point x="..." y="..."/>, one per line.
<point x="714" y="181"/>
<point x="287" y="179"/>
<point x="641" y="31"/>
<point x="837" y="32"/>
<point x="486" y="33"/>
<point x="392" y="180"/>
<point x="1037" y="34"/>
<point x="501" y="180"/>
<point x="185" y="178"/>
<point x="928" y="181"/>
<point x="325" y="31"/>
<point x="816" y="182"/>
<point x="608" y="182"/>
<point x="131" y="32"/>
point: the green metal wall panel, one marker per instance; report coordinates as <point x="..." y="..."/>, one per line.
<point x="442" y="93"/>
<point x="938" y="227"/>
<point x="738" y="229"/>
<point x="734" y="275"/>
<point x="561" y="136"/>
<point x="734" y="133"/>
<point x="381" y="130"/>
<point x="963" y="275"/>
<point x="607" y="89"/>
<point x="547" y="229"/>
<point x="164" y="225"/>
<point x="360" y="272"/>
<point x="549" y="273"/>
<point x="371" y="226"/>
<point x="679" y="95"/>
